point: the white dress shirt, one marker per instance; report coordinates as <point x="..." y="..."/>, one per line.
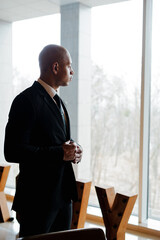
<point x="51" y="91"/>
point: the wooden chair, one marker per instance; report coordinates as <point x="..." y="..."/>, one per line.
<point x="75" y="234"/>
<point x="80" y="207"/>
<point x="116" y="209"/>
<point x="4" y="212"/>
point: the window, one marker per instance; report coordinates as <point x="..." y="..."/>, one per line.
<point x="29" y="37"/>
<point x="118" y="98"/>
<point x="116" y="86"/>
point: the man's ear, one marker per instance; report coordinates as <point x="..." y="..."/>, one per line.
<point x="55" y="67"/>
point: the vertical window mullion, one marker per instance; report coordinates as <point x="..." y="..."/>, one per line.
<point x="145" y="111"/>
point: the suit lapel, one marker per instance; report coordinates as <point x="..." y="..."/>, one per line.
<point x="53" y="107"/>
<point x="51" y="104"/>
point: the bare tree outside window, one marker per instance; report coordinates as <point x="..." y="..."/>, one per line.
<point x="115" y="132"/>
<point x="116" y="87"/>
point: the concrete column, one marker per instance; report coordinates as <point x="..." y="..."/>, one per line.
<point x="6" y="95"/>
<point x="76" y="37"/>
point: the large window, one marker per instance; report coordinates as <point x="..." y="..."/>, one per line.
<point x="29" y="37"/>
<point x="116" y="87"/>
<point x="119" y="69"/>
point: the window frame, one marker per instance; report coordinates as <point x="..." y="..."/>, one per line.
<point x="145" y="112"/>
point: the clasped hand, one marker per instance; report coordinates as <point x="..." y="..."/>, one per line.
<point x="72" y="152"/>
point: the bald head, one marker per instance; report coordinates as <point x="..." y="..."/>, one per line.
<point x="55" y="66"/>
<point x="50" y="54"/>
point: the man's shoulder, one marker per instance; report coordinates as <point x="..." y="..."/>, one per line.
<point x="30" y="92"/>
<point x="29" y="95"/>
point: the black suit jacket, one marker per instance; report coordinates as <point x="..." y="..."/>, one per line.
<point x="34" y="136"/>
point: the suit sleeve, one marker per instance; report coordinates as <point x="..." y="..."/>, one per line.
<point x="17" y="147"/>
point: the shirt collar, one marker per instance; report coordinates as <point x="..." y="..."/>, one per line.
<point x="51" y="91"/>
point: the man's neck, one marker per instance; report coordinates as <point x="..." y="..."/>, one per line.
<point x="48" y="79"/>
<point x="49" y="89"/>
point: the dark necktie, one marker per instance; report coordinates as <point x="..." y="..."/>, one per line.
<point x="58" y="101"/>
<point x="59" y="104"/>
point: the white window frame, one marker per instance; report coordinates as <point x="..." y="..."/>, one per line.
<point x="145" y="111"/>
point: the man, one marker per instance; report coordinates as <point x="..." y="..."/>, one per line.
<point x="38" y="138"/>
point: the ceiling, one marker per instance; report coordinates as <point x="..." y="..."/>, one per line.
<point x="15" y="10"/>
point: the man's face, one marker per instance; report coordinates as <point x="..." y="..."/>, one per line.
<point x="65" y="71"/>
